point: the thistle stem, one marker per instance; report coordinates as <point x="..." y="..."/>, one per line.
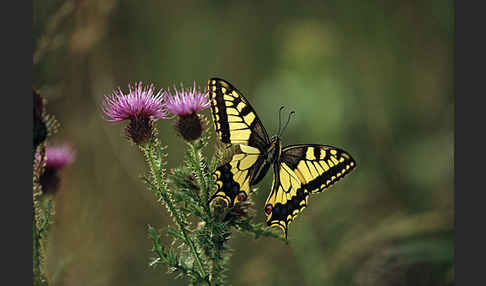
<point x="38" y="255"/>
<point x="198" y="160"/>
<point x="158" y="176"/>
<point x="204" y="181"/>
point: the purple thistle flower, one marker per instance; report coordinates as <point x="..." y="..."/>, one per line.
<point x="57" y="158"/>
<point x="186" y="103"/>
<point x="141" y="106"/>
<point x="139" y="102"/>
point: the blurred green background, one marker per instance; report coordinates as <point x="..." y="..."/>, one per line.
<point x="374" y="78"/>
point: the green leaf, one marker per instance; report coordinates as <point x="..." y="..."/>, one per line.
<point x="176" y="234"/>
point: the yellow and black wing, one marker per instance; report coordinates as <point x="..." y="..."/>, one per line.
<point x="303" y="170"/>
<point x="233" y="179"/>
<point x="234" y="119"/>
<point x="236" y="122"/>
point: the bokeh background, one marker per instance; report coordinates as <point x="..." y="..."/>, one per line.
<point x="372" y="77"/>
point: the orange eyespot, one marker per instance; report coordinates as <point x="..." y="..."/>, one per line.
<point x="268" y="209"/>
<point x="241" y="197"/>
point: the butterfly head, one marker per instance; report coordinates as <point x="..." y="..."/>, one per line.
<point x="275" y="139"/>
<point x="274" y="150"/>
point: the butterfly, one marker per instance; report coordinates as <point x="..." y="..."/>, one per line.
<point x="299" y="170"/>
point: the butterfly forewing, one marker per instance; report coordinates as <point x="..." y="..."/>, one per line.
<point x="236" y="122"/>
<point x="234" y="119"/>
<point x="315" y="167"/>
<point x="318" y="166"/>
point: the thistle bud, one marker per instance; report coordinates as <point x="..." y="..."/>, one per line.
<point x="185" y="104"/>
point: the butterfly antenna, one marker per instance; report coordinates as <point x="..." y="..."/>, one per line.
<point x="279" y="119"/>
<point x="288" y="120"/>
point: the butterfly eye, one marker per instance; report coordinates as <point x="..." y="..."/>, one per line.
<point x="268" y="209"/>
<point x="241" y="196"/>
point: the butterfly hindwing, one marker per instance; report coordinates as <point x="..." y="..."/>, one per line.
<point x="236" y="123"/>
<point x="233" y="178"/>
<point x="287" y="199"/>
<point x="315" y="167"/>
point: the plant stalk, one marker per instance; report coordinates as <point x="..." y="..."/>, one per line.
<point x="162" y="190"/>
